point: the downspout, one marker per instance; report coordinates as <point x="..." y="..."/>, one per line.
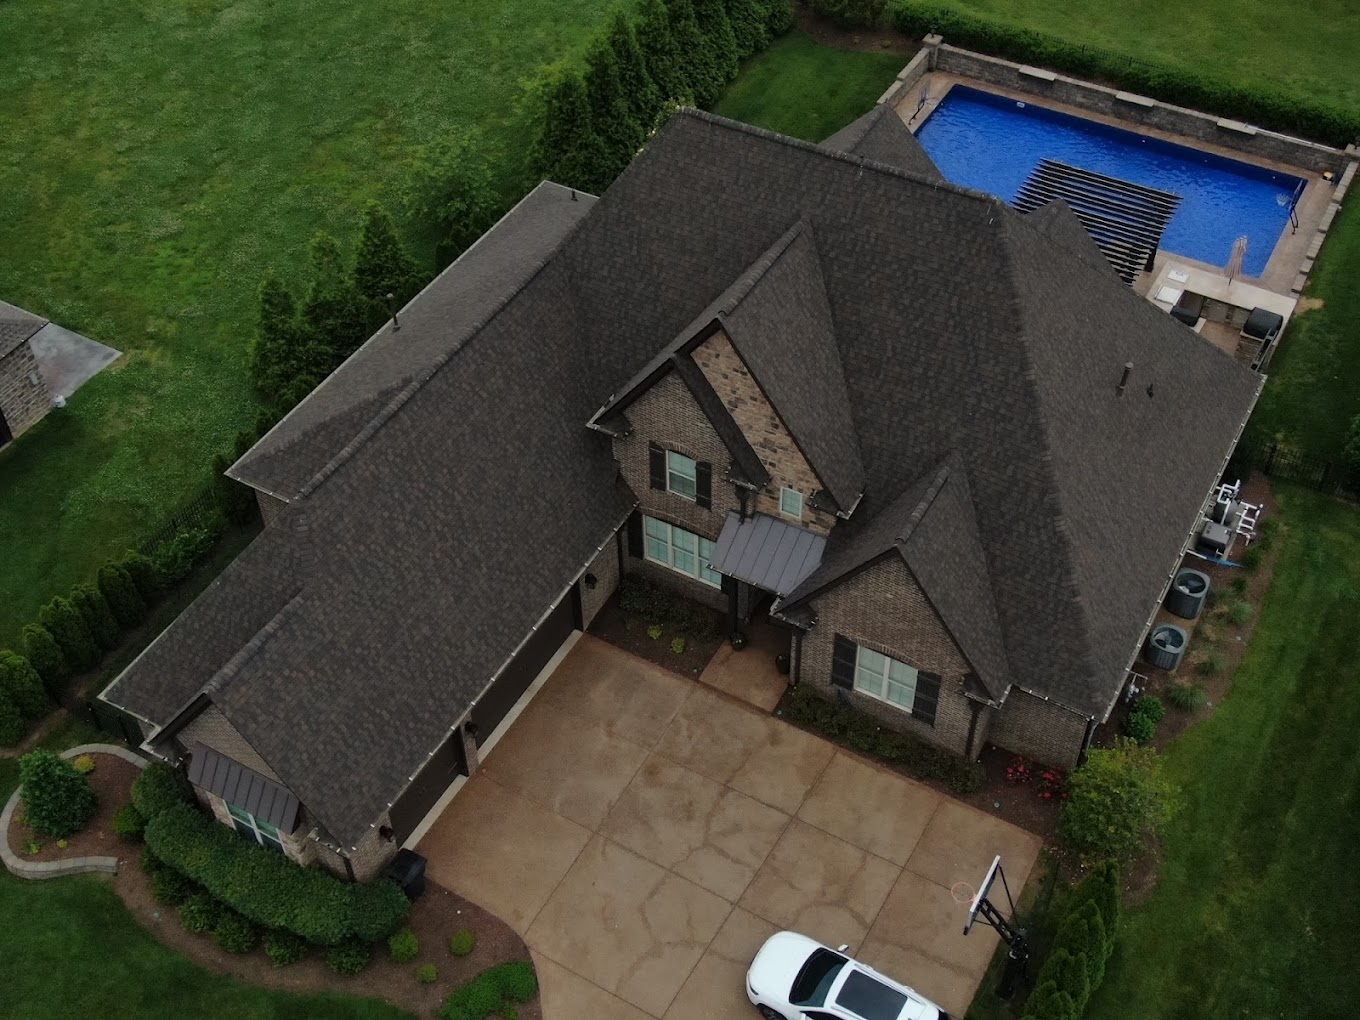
<point x="797" y="656"/>
<point x="1091" y="725"/>
<point x="349" y="868"/>
<point x="975" y="709"/>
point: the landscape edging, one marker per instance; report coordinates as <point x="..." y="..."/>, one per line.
<point x="37" y="870"/>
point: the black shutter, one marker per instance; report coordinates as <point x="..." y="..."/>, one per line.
<point x="843" y="663"/>
<point x="635" y="536"/>
<point x="703" y="484"/>
<point x="927" y="697"/>
<point x="658" y="466"/>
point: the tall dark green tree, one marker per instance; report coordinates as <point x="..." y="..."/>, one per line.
<point x="567" y="149"/>
<point x="722" y="44"/>
<point x="610" y="112"/>
<point x="749" y="26"/>
<point x="64" y="622"/>
<point x="42" y="652"/>
<point x="382" y="265"/>
<point x="660" y="55"/>
<point x="449" y="184"/>
<point x="644" y="98"/>
<point x="276" y="347"/>
<point x="778" y="16"/>
<point x="701" y="65"/>
<point x="98" y="616"/>
<point x="20" y="682"/>
<point x="333" y="314"/>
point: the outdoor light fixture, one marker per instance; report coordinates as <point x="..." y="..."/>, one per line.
<point x="591" y="580"/>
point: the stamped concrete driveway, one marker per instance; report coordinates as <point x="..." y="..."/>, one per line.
<point x="645" y="834"/>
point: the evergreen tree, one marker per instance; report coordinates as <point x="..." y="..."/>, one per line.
<point x="778" y="16"/>
<point x="97" y="615"/>
<point x="12" y="726"/>
<point x="119" y="591"/>
<point x="749" y="26"/>
<point x="145" y="577"/>
<point x="382" y="264"/>
<point x="1070" y="973"/>
<point x="449" y="184"/>
<point x="644" y="98"/>
<point x="699" y="62"/>
<point x="567" y="150"/>
<point x="43" y="655"/>
<point x="660" y="56"/>
<point x="722" y="44"/>
<point x="20" y="682"/>
<point x="236" y="500"/>
<point x="278" y="340"/>
<point x="610" y="112"/>
<point x="58" y="800"/>
<point x="67" y="627"/>
<point x="333" y="314"/>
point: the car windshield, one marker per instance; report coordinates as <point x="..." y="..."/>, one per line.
<point x="871" y="999"/>
<point x="816" y="977"/>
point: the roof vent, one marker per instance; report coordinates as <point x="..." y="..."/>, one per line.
<point x="1124" y="379"/>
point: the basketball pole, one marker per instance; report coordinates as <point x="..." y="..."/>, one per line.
<point x="1016" y="939"/>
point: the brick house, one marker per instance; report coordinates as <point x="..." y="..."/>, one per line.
<point x="23" y="393"/>
<point x="811" y="380"/>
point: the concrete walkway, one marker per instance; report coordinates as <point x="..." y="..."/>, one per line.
<point x="645" y="834"/>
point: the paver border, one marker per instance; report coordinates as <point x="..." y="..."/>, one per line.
<point x="37" y="870"/>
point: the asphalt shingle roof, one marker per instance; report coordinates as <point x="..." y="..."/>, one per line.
<point x="881" y="136"/>
<point x="16" y="326"/>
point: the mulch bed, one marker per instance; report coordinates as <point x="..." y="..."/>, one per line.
<point x="879" y="40"/>
<point x="111" y="780"/>
<point x="629" y="632"/>
<point x="436" y="916"/>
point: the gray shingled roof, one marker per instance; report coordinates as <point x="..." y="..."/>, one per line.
<point x="1059" y="224"/>
<point x="416" y="562"/>
<point x="881" y="135"/>
<point x="16" y="326"/>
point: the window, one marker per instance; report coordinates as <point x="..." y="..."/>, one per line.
<point x="791" y="503"/>
<point x="257" y="830"/>
<point x="680" y="550"/>
<point x="885" y="678"/>
<point x="682" y="474"/>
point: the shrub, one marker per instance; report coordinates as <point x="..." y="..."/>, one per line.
<point x="67" y="627"/>
<point x="428" y="974"/>
<point x="404" y="946"/>
<point x="200" y="913"/>
<point x="1211" y="663"/>
<point x="1186" y="696"/>
<point x="1118" y="799"/>
<point x="516" y="980"/>
<point x="462" y="943"/>
<point x="168" y="886"/>
<point x="129" y="823"/>
<point x="1102" y="888"/>
<point x="349" y="956"/>
<point x="20" y="682"/>
<point x="449" y="182"/>
<point x="12" y="725"/>
<point x="270" y="889"/>
<point x="83" y="763"/>
<point x="176" y="558"/>
<point x="1251" y="559"/>
<point x="678" y="645"/>
<point x="779" y="16"/>
<point x="1049" y="1002"/>
<point x="57" y="799"/>
<point x="1141" y="722"/>
<point x="32" y="847"/>
<point x="44" y="656"/>
<point x="654" y="631"/>
<point x="97" y="615"/>
<point x="493" y="990"/>
<point x="1070" y="973"/>
<point x="1082" y="934"/>
<point x="157" y="787"/>
<point x="641" y="598"/>
<point x="234" y="933"/>
<point x="1240" y="613"/>
<point x="121" y="594"/>
<point x="1238" y="586"/>
<point x="283" y="947"/>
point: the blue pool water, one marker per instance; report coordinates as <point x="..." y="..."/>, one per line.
<point x="992" y="143"/>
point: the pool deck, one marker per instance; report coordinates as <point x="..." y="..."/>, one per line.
<point x="1290" y="251"/>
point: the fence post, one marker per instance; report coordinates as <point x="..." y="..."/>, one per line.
<point x="1270" y="459"/>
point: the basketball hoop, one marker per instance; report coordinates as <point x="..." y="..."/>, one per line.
<point x="962" y="892"/>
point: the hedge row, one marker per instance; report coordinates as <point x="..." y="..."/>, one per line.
<point x="1076" y="963"/>
<point x="270" y="889"/>
<point x="23" y="700"/>
<point x="1257" y="104"/>
<point x="639" y="597"/>
<point x="841" y="721"/>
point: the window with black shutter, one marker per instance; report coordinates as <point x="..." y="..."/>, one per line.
<point x="657" y="465"/>
<point x="703" y="484"/>
<point x="635" y="536"/>
<point x="843" y="663"/>
<point x="927" y="697"/>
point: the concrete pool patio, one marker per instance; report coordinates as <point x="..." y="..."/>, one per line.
<point x="645" y="833"/>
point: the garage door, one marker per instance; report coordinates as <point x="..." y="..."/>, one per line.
<point x="516" y="677"/>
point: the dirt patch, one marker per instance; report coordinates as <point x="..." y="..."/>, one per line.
<point x="633" y="634"/>
<point x="1307" y="304"/>
<point x="435" y="917"/>
<point x="878" y="40"/>
<point x="111" y="780"/>
<point x="1019" y="803"/>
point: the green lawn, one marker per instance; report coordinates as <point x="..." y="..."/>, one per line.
<point x="1253" y="913"/>
<point x="157" y="159"/>
<point x="1302" y="48"/>
<point x="801" y="88"/>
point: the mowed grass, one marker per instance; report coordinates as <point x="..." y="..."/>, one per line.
<point x="156" y="160"/>
<point x="1259" y="884"/>
<point x="1305" y="49"/>
<point x="801" y="88"/>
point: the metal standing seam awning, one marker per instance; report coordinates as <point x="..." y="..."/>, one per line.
<point x="771" y="554"/>
<point x="247" y="789"/>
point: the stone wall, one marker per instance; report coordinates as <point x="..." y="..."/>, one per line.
<point x="883" y="607"/>
<point x="1039" y="729"/>
<point x="22" y="402"/>
<point x="270" y="506"/>
<point x="211" y="729"/>
<point x="605" y="569"/>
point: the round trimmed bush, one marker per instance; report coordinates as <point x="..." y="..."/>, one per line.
<point x="200" y="913"/>
<point x="283" y="946"/>
<point x="157" y="787"/>
<point x="129" y="823"/>
<point x="403" y="946"/>
<point x="83" y="763"/>
<point x="428" y="974"/>
<point x="58" y="800"/>
<point x="348" y="957"/>
<point x="1151" y="706"/>
<point x="462" y="943"/>
<point x="235" y="933"/>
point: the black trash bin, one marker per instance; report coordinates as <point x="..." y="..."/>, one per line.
<point x="408" y="871"/>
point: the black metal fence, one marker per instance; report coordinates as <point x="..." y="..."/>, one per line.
<point x="197" y="513"/>
<point x="1290" y="465"/>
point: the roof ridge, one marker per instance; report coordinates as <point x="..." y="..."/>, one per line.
<point x="740" y="288"/>
<point x="233" y="666"/>
<point x="926" y="501"/>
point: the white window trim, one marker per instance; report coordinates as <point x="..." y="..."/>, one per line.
<point x="699" y="560"/>
<point x="889" y="660"/>
<point x="799" y="515"/>
<point x="274" y="842"/>
<point x="693" y="478"/>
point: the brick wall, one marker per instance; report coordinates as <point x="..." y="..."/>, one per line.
<point x="211" y="729"/>
<point x="605" y="568"/>
<point x="884" y="608"/>
<point x="270" y="507"/>
<point x="1038" y="729"/>
<point x="763" y="429"/>
<point x="21" y="402"/>
<point x="368" y="860"/>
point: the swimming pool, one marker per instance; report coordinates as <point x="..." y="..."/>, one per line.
<point x="992" y="143"/>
